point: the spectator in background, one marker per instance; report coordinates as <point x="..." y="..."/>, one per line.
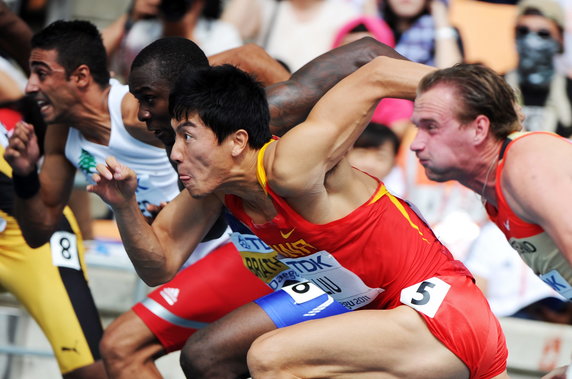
<point x="148" y="20"/>
<point x="422" y="31"/>
<point x="292" y="31"/>
<point x="375" y="152"/>
<point x="14" y="51"/>
<point x="392" y="112"/>
<point x="16" y="36"/>
<point x="544" y="94"/>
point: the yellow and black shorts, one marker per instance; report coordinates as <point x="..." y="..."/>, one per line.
<point x="51" y="283"/>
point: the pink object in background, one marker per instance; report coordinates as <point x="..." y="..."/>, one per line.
<point x="388" y="110"/>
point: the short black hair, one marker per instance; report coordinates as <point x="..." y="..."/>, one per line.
<point x="77" y="42"/>
<point x="376" y="135"/>
<point x="172" y="55"/>
<point x="226" y="99"/>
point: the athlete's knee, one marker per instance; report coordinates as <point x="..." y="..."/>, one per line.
<point x="203" y="357"/>
<point x="194" y="358"/>
<point x="264" y="357"/>
<point x="115" y="346"/>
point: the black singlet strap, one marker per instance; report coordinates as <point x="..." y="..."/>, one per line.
<point x="504" y="146"/>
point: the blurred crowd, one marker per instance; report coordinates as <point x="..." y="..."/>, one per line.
<point x="535" y="35"/>
<point x="426" y="31"/>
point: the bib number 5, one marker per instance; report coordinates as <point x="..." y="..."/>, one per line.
<point x="425" y="297"/>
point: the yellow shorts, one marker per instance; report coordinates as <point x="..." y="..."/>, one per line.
<point x="51" y="283"/>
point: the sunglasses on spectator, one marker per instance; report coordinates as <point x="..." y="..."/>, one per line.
<point x="522" y="31"/>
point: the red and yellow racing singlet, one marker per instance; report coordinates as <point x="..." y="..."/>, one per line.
<point x="383" y="243"/>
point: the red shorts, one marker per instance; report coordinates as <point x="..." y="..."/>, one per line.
<point x="199" y="294"/>
<point x="460" y="317"/>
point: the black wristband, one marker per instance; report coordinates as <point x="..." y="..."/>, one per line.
<point x="27" y="186"/>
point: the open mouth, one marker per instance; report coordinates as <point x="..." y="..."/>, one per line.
<point x="43" y="105"/>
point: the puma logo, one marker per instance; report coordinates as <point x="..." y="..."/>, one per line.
<point x="287" y="235"/>
<point x="74" y="349"/>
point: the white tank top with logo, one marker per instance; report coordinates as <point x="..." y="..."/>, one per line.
<point x="156" y="178"/>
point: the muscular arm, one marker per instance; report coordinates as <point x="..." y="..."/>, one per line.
<point x="537" y="186"/>
<point x="254" y="60"/>
<point x="157" y="251"/>
<point x="38" y="216"/>
<point x="335" y="123"/>
<point x="291" y="101"/>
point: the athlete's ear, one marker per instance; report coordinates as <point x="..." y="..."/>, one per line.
<point x="482" y="128"/>
<point x="81" y="75"/>
<point x="239" y="142"/>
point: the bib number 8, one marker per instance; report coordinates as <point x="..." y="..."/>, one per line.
<point x="64" y="250"/>
<point x="425" y="297"/>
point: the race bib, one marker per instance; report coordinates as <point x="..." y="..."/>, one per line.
<point x="321" y="269"/>
<point x="558" y="283"/>
<point x="425" y="297"/>
<point x="262" y="261"/>
<point x="342" y="284"/>
<point x="303" y="292"/>
<point x="64" y="250"/>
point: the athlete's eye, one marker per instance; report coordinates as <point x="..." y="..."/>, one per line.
<point x="41" y="74"/>
<point x="148" y="99"/>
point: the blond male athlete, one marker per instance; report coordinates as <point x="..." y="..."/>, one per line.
<point x="469" y="131"/>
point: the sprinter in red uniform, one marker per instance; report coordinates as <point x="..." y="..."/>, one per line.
<point x="301" y="196"/>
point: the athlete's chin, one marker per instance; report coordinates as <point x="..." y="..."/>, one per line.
<point x="436" y="176"/>
<point x="49" y="118"/>
<point x="195" y="193"/>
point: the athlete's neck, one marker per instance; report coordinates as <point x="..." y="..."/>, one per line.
<point x="91" y="116"/>
<point x="482" y="179"/>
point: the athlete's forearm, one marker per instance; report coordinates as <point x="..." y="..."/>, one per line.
<point x="37" y="221"/>
<point x="254" y="60"/>
<point x="142" y="245"/>
<point x="335" y="123"/>
<point x="291" y="101"/>
<point x="39" y="201"/>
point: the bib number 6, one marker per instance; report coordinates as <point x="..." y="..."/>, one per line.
<point x="425" y="297"/>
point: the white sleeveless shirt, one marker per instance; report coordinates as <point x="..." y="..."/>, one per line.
<point x="156" y="178"/>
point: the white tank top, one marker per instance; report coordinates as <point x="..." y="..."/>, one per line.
<point x="157" y="180"/>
